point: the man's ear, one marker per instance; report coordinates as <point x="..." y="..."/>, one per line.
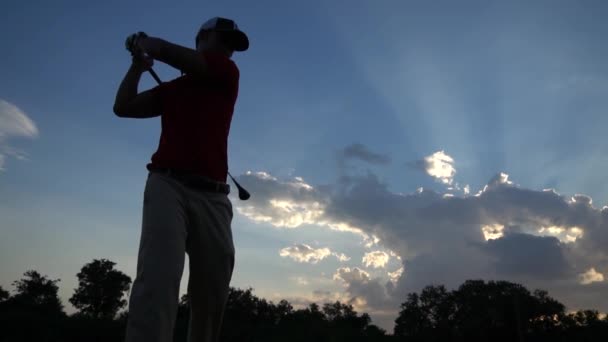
<point x="200" y="36"/>
<point x="203" y="35"/>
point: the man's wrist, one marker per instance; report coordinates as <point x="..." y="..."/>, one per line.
<point x="152" y="46"/>
<point x="137" y="67"/>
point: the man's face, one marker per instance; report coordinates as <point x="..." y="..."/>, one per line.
<point x="216" y="41"/>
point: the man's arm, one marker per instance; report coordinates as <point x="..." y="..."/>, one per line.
<point x="130" y="104"/>
<point x="182" y="58"/>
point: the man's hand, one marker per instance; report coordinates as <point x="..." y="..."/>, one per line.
<point x="136" y="43"/>
<point x="133" y="43"/>
<point x="142" y="62"/>
<point x="140" y="43"/>
<point x="182" y="58"/>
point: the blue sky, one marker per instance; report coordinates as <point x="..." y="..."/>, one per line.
<point x="364" y="89"/>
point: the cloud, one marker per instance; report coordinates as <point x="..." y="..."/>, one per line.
<point x="492" y="231"/>
<point x="519" y="254"/>
<point x="362" y="153"/>
<point x="348" y="275"/>
<point x="394" y="276"/>
<point x="288" y="203"/>
<point x="341" y="256"/>
<point x="438" y="165"/>
<point x="321" y="293"/>
<point x="563" y="234"/>
<point x="362" y="287"/>
<point x="536" y="237"/>
<point x="305" y="253"/>
<point x="376" y="259"/>
<point x="283" y="204"/>
<point x="13" y="123"/>
<point x="591" y="276"/>
<point x="301" y="281"/>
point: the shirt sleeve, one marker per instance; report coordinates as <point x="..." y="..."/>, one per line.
<point x="223" y="69"/>
<point x="161" y="91"/>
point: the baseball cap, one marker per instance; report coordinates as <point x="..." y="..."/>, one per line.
<point x="238" y="39"/>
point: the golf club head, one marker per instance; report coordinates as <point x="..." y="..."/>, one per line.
<point x="243" y="194"/>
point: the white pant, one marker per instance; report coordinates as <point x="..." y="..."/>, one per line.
<point x="179" y="220"/>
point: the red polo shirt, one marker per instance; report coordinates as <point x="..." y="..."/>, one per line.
<point x="195" y="120"/>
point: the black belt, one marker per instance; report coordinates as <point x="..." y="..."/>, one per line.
<point x="194" y="181"/>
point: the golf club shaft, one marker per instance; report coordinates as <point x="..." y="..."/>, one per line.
<point x="153" y="73"/>
<point x="243" y="194"/>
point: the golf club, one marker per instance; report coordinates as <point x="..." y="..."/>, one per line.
<point x="153" y="73"/>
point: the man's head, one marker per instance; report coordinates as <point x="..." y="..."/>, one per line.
<point x="221" y="35"/>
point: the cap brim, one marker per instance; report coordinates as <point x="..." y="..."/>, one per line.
<point x="238" y="40"/>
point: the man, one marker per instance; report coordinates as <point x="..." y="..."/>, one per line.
<point x="186" y="207"/>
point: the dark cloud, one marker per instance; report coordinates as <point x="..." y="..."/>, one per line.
<point x="517" y="255"/>
<point x="361" y="152"/>
<point x="360" y="285"/>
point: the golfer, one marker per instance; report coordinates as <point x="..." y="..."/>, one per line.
<point x="186" y="208"/>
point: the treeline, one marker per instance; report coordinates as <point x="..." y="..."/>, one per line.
<point x="493" y="311"/>
<point x="476" y="311"/>
<point x="35" y="313"/>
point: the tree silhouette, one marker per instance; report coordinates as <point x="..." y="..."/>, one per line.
<point x="344" y="321"/>
<point x="35" y="312"/>
<point x="37" y="292"/>
<point x="100" y="289"/>
<point x="307" y="324"/>
<point x="547" y="315"/>
<point x="475" y="311"/>
<point x="247" y="316"/>
<point x="374" y="333"/>
<point x="496" y="311"/>
<point x="4" y="295"/>
<point x="426" y="316"/>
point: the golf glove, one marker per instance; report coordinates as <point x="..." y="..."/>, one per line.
<point x="132" y="42"/>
